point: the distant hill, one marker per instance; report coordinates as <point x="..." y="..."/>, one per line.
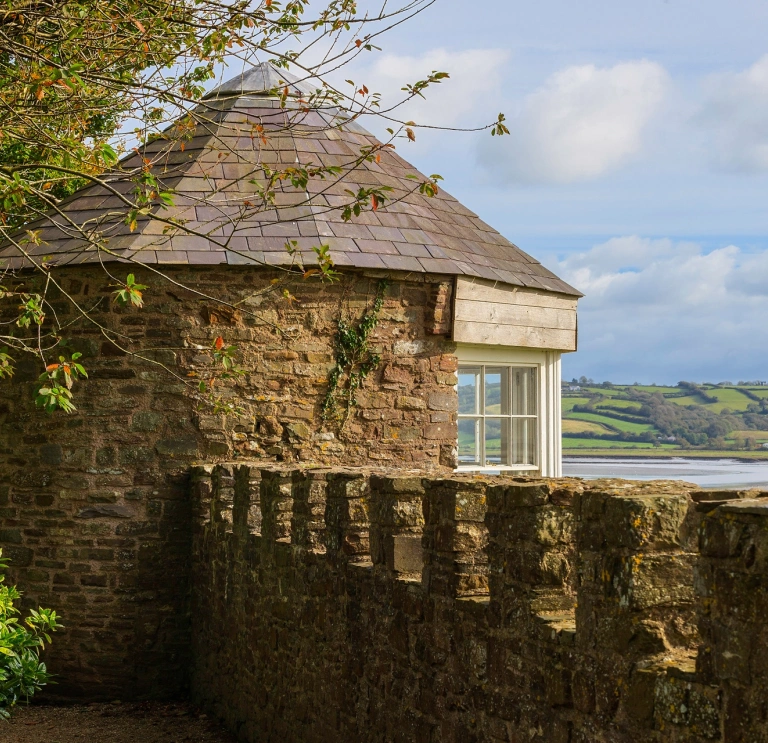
<point x="717" y="417"/>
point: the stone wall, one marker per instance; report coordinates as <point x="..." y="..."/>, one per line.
<point x="94" y="510"/>
<point x="333" y="605"/>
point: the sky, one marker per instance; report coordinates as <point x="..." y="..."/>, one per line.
<point x="636" y="167"/>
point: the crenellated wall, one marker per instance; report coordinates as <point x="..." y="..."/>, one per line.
<point x="347" y="606"/>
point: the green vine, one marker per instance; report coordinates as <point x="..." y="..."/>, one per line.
<point x="354" y="361"/>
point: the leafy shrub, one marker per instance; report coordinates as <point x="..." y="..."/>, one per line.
<point x="22" y="673"/>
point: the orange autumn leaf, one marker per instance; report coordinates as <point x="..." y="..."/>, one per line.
<point x="51" y="367"/>
<point x="219" y="343"/>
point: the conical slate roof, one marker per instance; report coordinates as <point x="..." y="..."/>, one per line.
<point x="261" y="79"/>
<point x="243" y="128"/>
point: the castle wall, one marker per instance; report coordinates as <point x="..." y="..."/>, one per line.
<point x="332" y="605"/>
<point x="94" y="508"/>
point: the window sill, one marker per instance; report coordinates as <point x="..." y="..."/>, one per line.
<point x="500" y="468"/>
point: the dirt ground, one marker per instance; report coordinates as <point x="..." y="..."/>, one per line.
<point x="112" y="723"/>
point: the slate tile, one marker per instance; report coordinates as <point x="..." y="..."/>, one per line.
<point x="394" y="219"/>
<point x="278" y="259"/>
<point x="438" y="265"/>
<point x="287" y="230"/>
<point x="250" y="258"/>
<point x="190" y="242"/>
<point x="387" y="233"/>
<point x="467" y="269"/>
<point x="266" y="243"/>
<point x="401" y="263"/>
<point x="416" y="251"/>
<point x="436" y="252"/>
<point x="210" y="257"/>
<point x="341" y="259"/>
<point x="172" y="256"/>
<point x="351" y="229"/>
<point x="340" y="244"/>
<point x="367" y="260"/>
<point x="336" y="148"/>
<point x="418" y="237"/>
<point x="376" y="246"/>
<point x="308" y="228"/>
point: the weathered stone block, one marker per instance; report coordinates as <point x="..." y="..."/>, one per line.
<point x="105" y="511"/>
<point x="410" y="403"/>
<point x="146" y="421"/>
<point x="180" y="447"/>
<point x="404" y="553"/>
<point x="443" y="401"/>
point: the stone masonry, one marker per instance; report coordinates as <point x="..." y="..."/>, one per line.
<point x="94" y="509"/>
<point x="350" y="606"/>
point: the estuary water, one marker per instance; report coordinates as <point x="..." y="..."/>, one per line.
<point x="708" y="473"/>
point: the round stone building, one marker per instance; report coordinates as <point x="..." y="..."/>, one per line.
<point x="462" y="361"/>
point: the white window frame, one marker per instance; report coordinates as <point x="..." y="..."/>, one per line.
<point x="548" y="456"/>
<point x="482" y="417"/>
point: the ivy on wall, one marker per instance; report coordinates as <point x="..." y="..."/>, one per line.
<point x="354" y="361"/>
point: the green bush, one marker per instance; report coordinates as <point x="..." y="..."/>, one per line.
<point x="22" y="672"/>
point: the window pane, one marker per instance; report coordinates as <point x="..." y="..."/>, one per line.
<point x="469" y="390"/>
<point x="497" y="390"/>
<point x="523" y="441"/>
<point x="469" y="441"/>
<point x="496" y="441"/>
<point x="523" y="391"/>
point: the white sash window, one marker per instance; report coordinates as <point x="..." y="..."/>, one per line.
<point x="509" y="410"/>
<point x="498" y="416"/>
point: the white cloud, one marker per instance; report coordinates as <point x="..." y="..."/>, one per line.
<point x="469" y="97"/>
<point x="663" y="310"/>
<point x="583" y="122"/>
<point x="734" y="116"/>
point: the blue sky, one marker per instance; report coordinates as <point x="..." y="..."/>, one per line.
<point x="637" y="167"/>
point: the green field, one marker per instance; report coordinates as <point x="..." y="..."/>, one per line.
<point x="618" y="425"/>
<point x="759" y="435"/>
<point x="569" y="402"/>
<point x="663" y="451"/>
<point x="569" y="443"/>
<point x="609" y="392"/>
<point x="571" y="425"/>
<point x="625" y="405"/>
<point x="729" y="398"/>
<point x="679" y="419"/>
<point x="689" y="400"/>
<point x="654" y="388"/>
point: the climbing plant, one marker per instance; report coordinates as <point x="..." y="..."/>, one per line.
<point x="22" y="673"/>
<point x="354" y="361"/>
